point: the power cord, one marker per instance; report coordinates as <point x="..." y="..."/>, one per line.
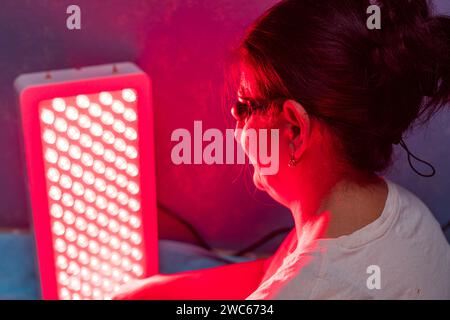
<point x="205" y="245"/>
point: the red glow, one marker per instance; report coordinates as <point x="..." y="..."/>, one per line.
<point x="89" y="152"/>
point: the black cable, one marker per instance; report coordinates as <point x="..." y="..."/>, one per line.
<point x="444" y="228"/>
<point x="184" y="222"/>
<point x="205" y="245"/>
<point x="262" y="241"/>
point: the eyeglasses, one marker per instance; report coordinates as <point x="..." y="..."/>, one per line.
<point x="245" y="107"/>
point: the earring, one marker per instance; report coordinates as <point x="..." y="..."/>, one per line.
<point x="292" y="162"/>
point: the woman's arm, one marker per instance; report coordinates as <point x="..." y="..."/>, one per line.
<point x="234" y="281"/>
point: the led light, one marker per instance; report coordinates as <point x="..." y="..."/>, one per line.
<point x="71" y="235"/>
<point x="112" y="209"/>
<point x="108" y="137"/>
<point x="60" y="245"/>
<point x="55" y="193"/>
<point x="65" y="182"/>
<point x="85" y="274"/>
<point x="91" y="213"/>
<point x="107" y="118"/>
<point x="133" y="188"/>
<point x="88" y="177"/>
<point x="132" y="170"/>
<point x="60" y="125"/>
<point x="53" y="175"/>
<point x="122" y="198"/>
<point x="124" y="215"/>
<point x="96" y="280"/>
<point x="82" y="101"/>
<point x="73" y="133"/>
<point x="67" y="200"/>
<point x="92" y="230"/>
<point x="62" y="144"/>
<point x="97" y="148"/>
<point x="82" y="241"/>
<point x="99" y="167"/>
<point x="121" y="181"/>
<point x="130" y="134"/>
<point x="95" y="265"/>
<point x="136" y="254"/>
<point x="105" y="98"/>
<point x="51" y="156"/>
<point x="89" y="195"/>
<point x="121" y="163"/>
<point x="69" y="217"/>
<point x="101" y="202"/>
<point x="56" y="210"/>
<point x="58" y="228"/>
<point x="129" y="115"/>
<point x="110" y="174"/>
<point x="75" y="152"/>
<point x="128" y="95"/>
<point x="96" y="129"/>
<point x="47" y="116"/>
<point x="86" y="290"/>
<point x="137" y="269"/>
<point x="135" y="238"/>
<point x="114" y="243"/>
<point x="65" y="294"/>
<point x="118" y="107"/>
<point x="113" y="226"/>
<point x="85" y="141"/>
<point x="63" y="278"/>
<point x="135" y="222"/>
<point x="95" y="110"/>
<point x="64" y="163"/>
<point x="49" y="136"/>
<point x="73" y="268"/>
<point x="131" y="152"/>
<point x="77" y="188"/>
<point x="134" y="205"/>
<point x="105" y="253"/>
<point x="84" y="121"/>
<point x="103" y="236"/>
<point x="62" y="262"/>
<point x="87" y="159"/>
<point x="72" y="113"/>
<point x="109" y="156"/>
<point x="59" y="104"/>
<point x="81" y="224"/>
<point x="124" y="233"/>
<point x="119" y="126"/>
<point x="102" y="220"/>
<point x="126" y="264"/>
<point x="111" y="191"/>
<point x="83" y="257"/>
<point x="100" y="184"/>
<point x="79" y="206"/>
<point x="120" y="145"/>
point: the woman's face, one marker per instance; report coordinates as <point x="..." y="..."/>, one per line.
<point x="277" y="183"/>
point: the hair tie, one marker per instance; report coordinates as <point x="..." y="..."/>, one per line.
<point x="410" y="155"/>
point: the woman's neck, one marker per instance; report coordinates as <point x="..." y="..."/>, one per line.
<point x="349" y="204"/>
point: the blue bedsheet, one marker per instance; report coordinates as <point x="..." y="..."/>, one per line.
<point x="18" y="271"/>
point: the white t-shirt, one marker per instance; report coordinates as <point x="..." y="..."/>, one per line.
<point x="401" y="255"/>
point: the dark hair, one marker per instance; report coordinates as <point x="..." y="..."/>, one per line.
<point x="368" y="86"/>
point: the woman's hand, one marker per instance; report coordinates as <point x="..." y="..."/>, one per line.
<point x="157" y="287"/>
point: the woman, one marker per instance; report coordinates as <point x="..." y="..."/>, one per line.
<point x="340" y="95"/>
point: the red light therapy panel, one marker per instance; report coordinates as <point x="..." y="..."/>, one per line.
<point x="90" y="167"/>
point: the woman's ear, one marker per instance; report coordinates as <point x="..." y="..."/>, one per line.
<point x="298" y="126"/>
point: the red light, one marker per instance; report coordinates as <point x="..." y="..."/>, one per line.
<point x="89" y="152"/>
